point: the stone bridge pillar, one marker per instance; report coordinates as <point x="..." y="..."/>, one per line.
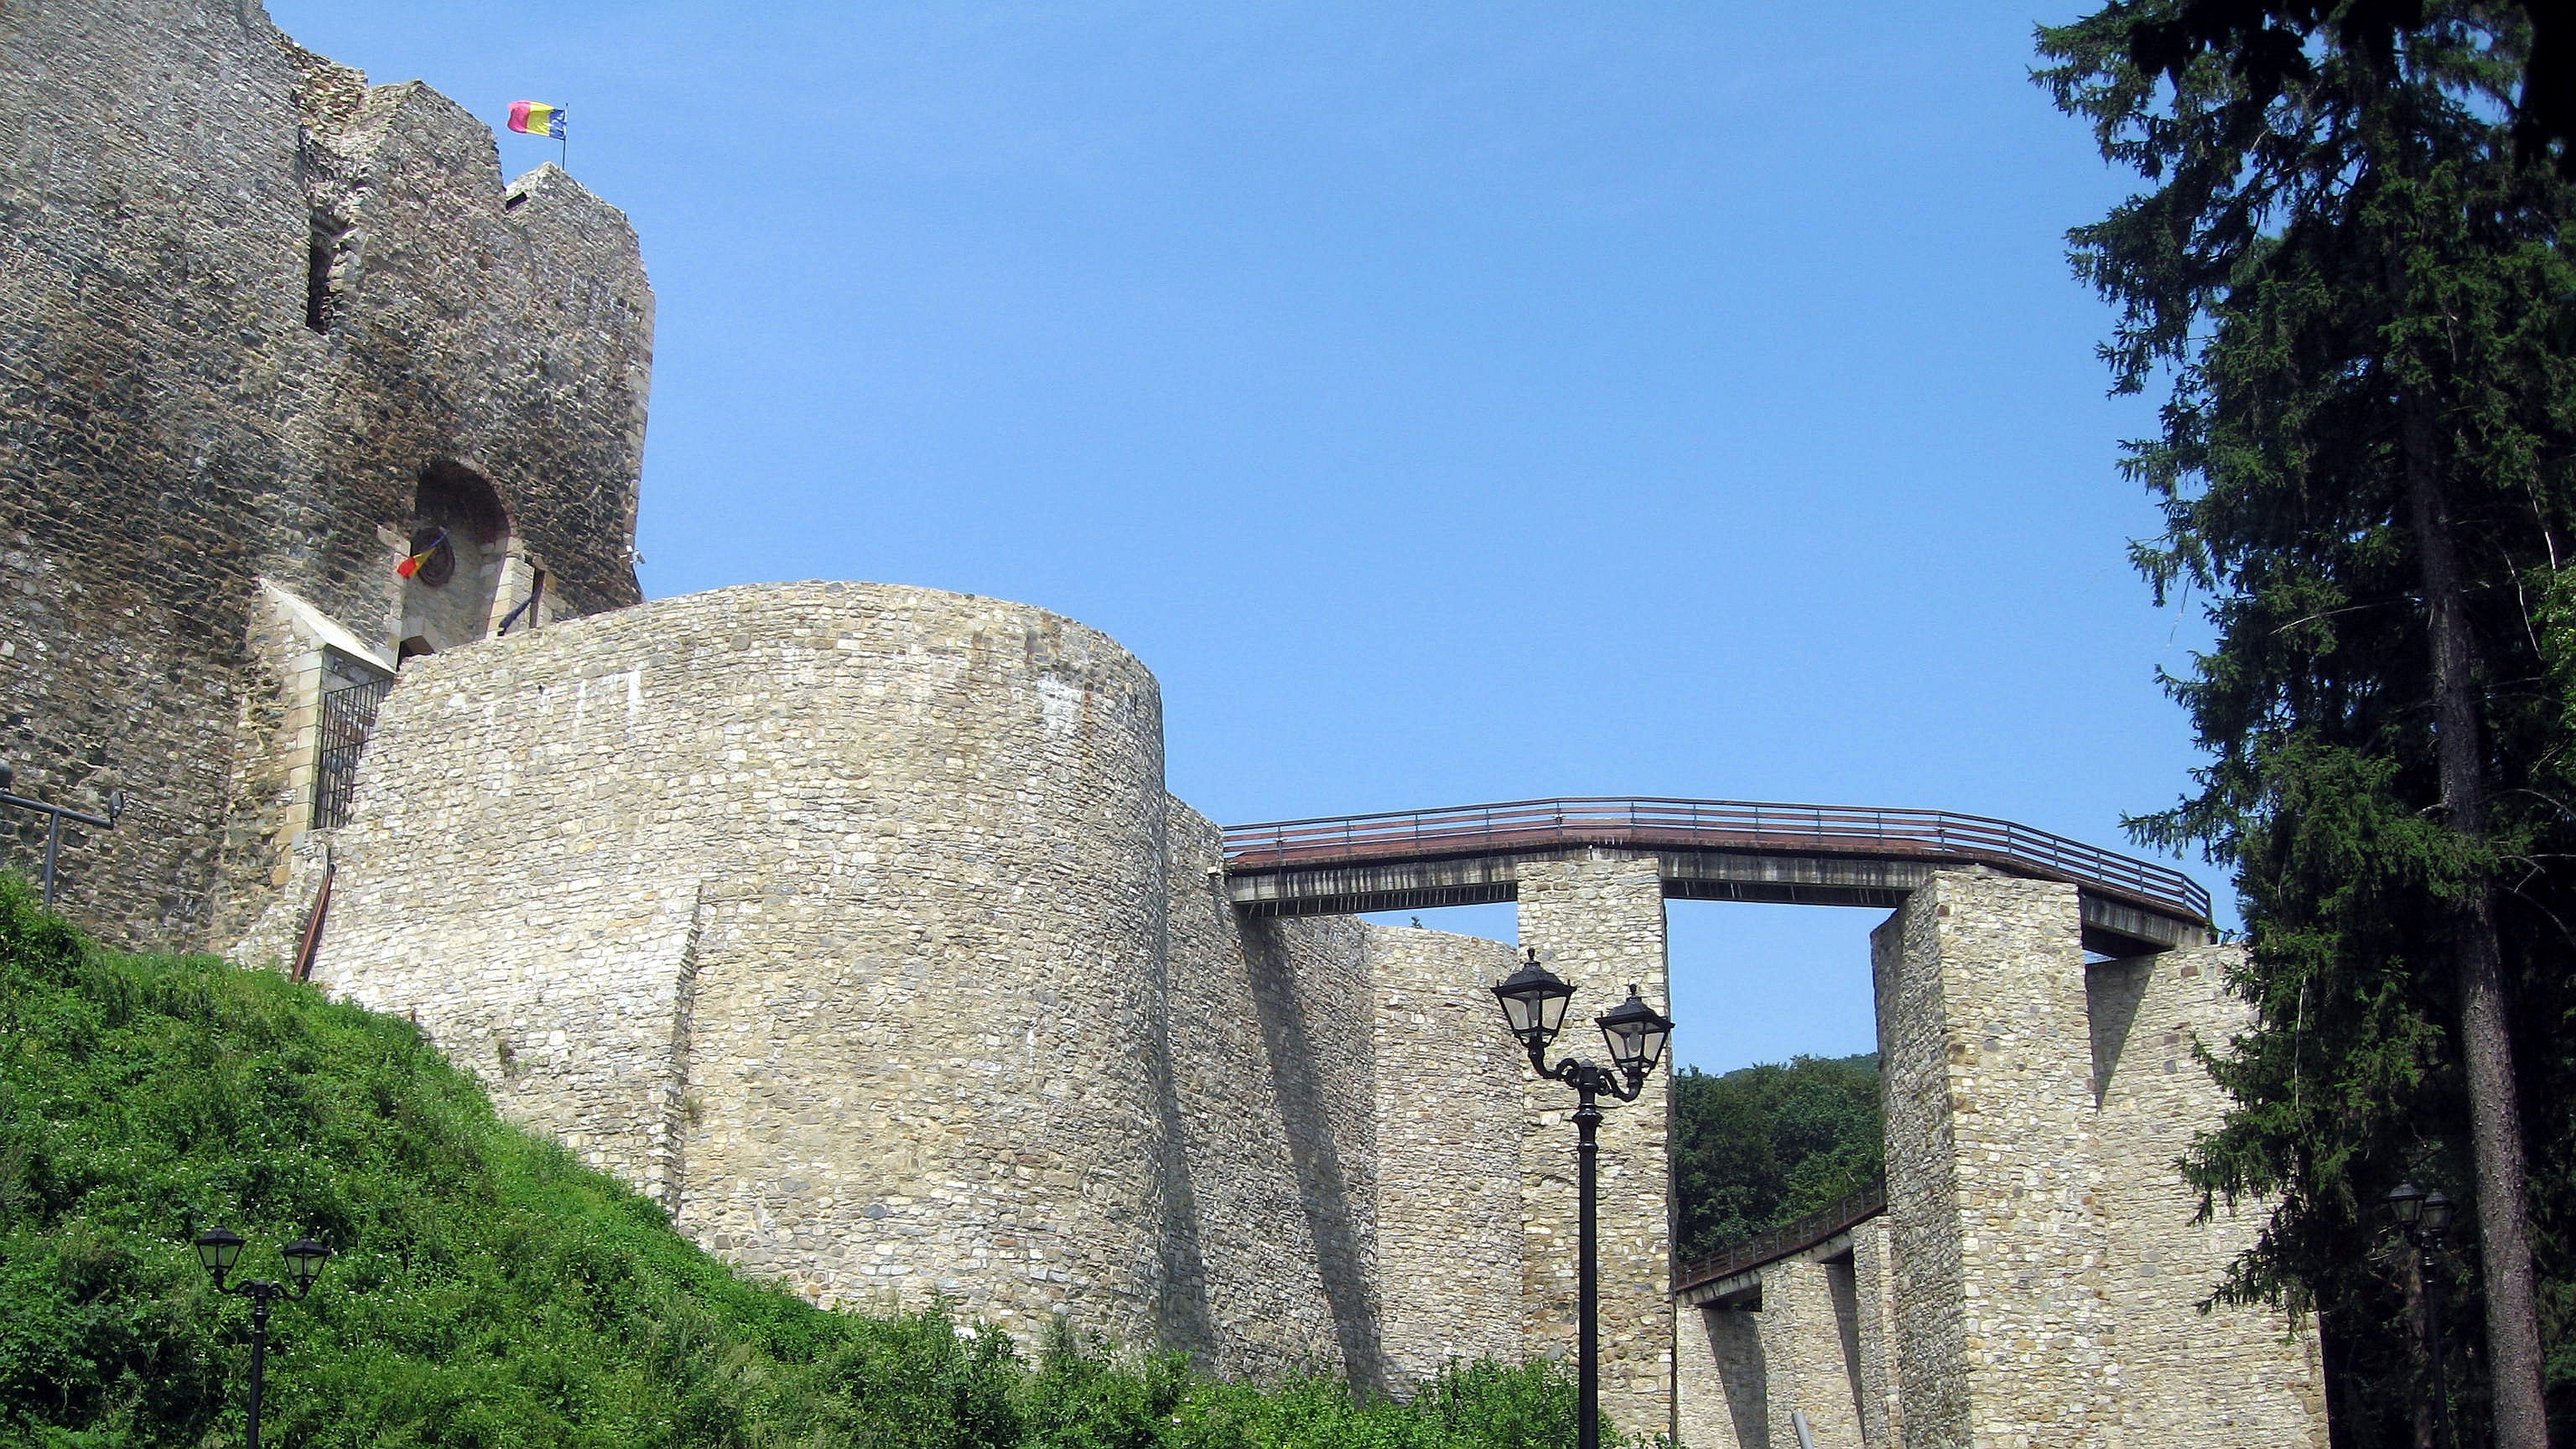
<point x="1809" y="1333"/>
<point x="1598" y="921"/>
<point x="2043" y="1262"/>
<point x="1993" y="1189"/>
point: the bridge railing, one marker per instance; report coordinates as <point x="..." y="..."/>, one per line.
<point x="1772" y="1245"/>
<point x="1650" y="822"/>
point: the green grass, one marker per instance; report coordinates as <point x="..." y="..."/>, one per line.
<point x="489" y="1291"/>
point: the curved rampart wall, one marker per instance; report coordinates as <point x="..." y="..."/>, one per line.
<point x="829" y="913"/>
<point x="844" y="919"/>
<point x="1267" y="1233"/>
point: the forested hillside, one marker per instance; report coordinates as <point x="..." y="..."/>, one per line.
<point x="487" y="1291"/>
<point x="1763" y="1145"/>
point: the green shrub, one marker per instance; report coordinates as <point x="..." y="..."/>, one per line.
<point x="489" y="1292"/>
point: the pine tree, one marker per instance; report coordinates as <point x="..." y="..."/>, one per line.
<point x="2356" y="286"/>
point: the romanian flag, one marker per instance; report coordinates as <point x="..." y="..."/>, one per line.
<point x="411" y="565"/>
<point x="536" y="118"/>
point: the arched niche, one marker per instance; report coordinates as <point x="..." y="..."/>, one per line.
<point x="461" y="534"/>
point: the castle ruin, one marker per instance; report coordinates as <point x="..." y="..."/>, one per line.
<point x="854" y="924"/>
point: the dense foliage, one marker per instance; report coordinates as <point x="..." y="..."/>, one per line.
<point x="2358" y="291"/>
<point x="488" y="1290"/>
<point x="1764" y="1145"/>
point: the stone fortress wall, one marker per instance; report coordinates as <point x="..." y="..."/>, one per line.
<point x="260" y="322"/>
<point x="853" y="923"/>
<point x="2036" y="1277"/>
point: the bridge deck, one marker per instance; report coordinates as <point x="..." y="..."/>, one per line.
<point x="1737" y="1267"/>
<point x="1709" y="849"/>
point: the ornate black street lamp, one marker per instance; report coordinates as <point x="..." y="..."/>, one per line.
<point x="54" y="828"/>
<point x="219" y="1249"/>
<point x="1534" y="1000"/>
<point x="2425" y="1217"/>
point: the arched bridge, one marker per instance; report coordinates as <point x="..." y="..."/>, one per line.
<point x="1723" y="850"/>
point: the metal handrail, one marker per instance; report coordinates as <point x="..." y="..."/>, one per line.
<point x="1773" y="1244"/>
<point x="1708" y="824"/>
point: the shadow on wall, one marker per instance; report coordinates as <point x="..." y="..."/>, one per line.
<point x="461" y="534"/>
<point x="1184" y="1314"/>
<point x="1323" y="1182"/>
<point x="2114" y="991"/>
<point x="1744" y="1374"/>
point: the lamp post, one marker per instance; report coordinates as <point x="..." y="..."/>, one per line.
<point x="54" y="827"/>
<point x="2424" y="1217"/>
<point x="1533" y="1000"/>
<point x="219" y="1249"/>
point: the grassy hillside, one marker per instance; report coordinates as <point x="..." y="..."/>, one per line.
<point x="488" y="1290"/>
<point x="1768" y="1144"/>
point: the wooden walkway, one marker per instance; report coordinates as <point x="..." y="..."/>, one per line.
<point x="1709" y="849"/>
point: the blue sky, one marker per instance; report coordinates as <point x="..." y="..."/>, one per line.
<point x="1449" y="402"/>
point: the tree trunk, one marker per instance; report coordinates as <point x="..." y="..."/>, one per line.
<point x="2486" y="1046"/>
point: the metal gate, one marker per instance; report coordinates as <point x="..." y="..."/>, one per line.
<point x="348" y="717"/>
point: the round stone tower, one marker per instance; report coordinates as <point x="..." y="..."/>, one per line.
<point x="704" y="884"/>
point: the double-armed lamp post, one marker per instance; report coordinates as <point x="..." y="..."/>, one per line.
<point x="1534" y="1000"/>
<point x="219" y="1249"/>
<point x="2425" y="1217"/>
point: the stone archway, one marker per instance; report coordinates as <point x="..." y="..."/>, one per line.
<point x="461" y="532"/>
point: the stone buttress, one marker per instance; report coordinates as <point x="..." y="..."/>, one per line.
<point x="2045" y="1267"/>
<point x="1598" y="921"/>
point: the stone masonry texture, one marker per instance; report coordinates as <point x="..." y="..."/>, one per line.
<point x="1449" y="1139"/>
<point x="2252" y="1378"/>
<point x="1598" y="922"/>
<point x="1882" y="1421"/>
<point x="1717" y="1367"/>
<point x="246" y="300"/>
<point x="739" y="870"/>
<point x="2043" y="1260"/>
<point x="1261" y="1175"/>
<point x="853" y="923"/>
<point x="1805" y="1368"/>
<point x="2006" y="1064"/>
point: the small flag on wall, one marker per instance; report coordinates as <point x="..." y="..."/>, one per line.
<point x="536" y="118"/>
<point x="411" y="565"/>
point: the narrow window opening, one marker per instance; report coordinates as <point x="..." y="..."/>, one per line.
<point x="514" y="200"/>
<point x="325" y="260"/>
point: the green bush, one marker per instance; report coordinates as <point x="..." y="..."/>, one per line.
<point x="489" y="1292"/>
